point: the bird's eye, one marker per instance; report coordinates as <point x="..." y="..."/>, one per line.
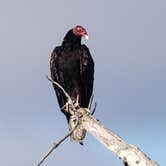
<point x="79" y="29"/>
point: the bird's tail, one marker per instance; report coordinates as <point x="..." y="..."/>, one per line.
<point x="78" y="133"/>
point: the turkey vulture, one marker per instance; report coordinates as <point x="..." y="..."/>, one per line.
<point x="72" y="66"/>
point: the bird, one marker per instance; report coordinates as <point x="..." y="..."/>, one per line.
<point x="72" y="67"/>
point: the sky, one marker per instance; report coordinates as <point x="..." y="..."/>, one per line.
<point x="127" y="41"/>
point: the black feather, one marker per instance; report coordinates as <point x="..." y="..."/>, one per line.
<point x="72" y="67"/>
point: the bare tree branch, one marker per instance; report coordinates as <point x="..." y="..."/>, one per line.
<point x="94" y="109"/>
<point x="131" y="155"/>
<point x="69" y="103"/>
<point x="55" y="145"/>
<point x="60" y="87"/>
<point x="74" y="114"/>
<point x="90" y="102"/>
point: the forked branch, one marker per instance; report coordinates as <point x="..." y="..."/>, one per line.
<point x="55" y="145"/>
<point x="131" y="155"/>
<point x="60" y="87"/>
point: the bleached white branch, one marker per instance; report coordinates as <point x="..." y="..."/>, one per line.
<point x="72" y="109"/>
<point x="60" y="87"/>
<point x="131" y="155"/>
<point x="55" y="145"/>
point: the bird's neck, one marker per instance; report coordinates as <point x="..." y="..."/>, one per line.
<point x="71" y="39"/>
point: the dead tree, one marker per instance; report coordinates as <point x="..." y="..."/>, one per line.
<point x="129" y="154"/>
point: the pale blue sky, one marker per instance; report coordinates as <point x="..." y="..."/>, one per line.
<point x="127" y="41"/>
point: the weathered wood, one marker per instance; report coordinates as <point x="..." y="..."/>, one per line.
<point x="131" y="155"/>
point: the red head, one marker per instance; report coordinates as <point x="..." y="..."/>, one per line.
<point x="80" y="31"/>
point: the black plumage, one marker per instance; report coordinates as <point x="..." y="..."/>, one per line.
<point x="72" y="67"/>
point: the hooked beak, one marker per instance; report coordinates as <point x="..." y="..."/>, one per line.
<point x="86" y="37"/>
